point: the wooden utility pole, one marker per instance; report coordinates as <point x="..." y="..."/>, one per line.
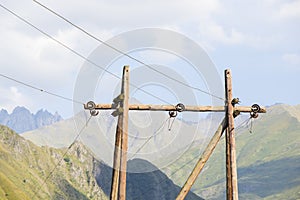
<point x="118" y="187"/>
<point x="231" y="168"/>
<point x="202" y="160"/>
<point x="124" y="143"/>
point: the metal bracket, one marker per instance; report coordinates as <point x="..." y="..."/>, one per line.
<point x="180" y="107"/>
<point x="91" y="106"/>
<point x="235" y="101"/>
<point x="117" y="112"/>
<point x="172" y="114"/>
<point x="116" y="105"/>
<point x="118" y="99"/>
<point x="255" y="108"/>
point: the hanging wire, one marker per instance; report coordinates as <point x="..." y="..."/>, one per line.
<point x="243" y="124"/>
<point x="149" y="138"/>
<point x="53" y="94"/>
<point x="250" y="127"/>
<point x="123" y="53"/>
<point x="173" y="115"/>
<point x="41" y="90"/>
<point x="247" y="123"/>
<point x="62" y="158"/>
<point x="78" y="54"/>
<point x="171" y="122"/>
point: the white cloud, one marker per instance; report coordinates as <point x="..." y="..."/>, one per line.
<point x="12" y="97"/>
<point x="33" y="58"/>
<point x="292" y="58"/>
<point x="216" y="34"/>
<point x="290" y="9"/>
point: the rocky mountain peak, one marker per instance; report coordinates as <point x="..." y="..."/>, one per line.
<point x="20" y="109"/>
<point x="22" y="120"/>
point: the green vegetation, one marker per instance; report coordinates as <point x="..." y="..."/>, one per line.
<point x="268" y="160"/>
<point x="24" y="167"/>
<point x="268" y="163"/>
<point x="66" y="159"/>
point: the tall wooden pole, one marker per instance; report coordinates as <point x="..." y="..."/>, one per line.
<point x="202" y="160"/>
<point x="228" y="166"/>
<point x="117" y="158"/>
<point x="124" y="144"/>
<point x="118" y="187"/>
<point x="231" y="168"/>
<point x="118" y="178"/>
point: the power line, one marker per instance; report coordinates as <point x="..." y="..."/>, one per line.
<point x="149" y="138"/>
<point x="58" y="163"/>
<point x="78" y="54"/>
<point x="125" y="54"/>
<point x="243" y="124"/>
<point x="41" y="90"/>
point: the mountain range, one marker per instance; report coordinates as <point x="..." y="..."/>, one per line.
<point x="22" y="120"/>
<point x="268" y="158"/>
<point x="31" y="172"/>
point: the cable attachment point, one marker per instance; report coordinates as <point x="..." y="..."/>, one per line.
<point x="94" y="112"/>
<point x="172" y="114"/>
<point x="235" y="101"/>
<point x="91" y="106"/>
<point x="180" y="107"/>
<point x="117" y="112"/>
<point x="255" y="108"/>
<point x="118" y="100"/>
<point x="117" y="104"/>
<point x="236" y="113"/>
<point x="253" y="115"/>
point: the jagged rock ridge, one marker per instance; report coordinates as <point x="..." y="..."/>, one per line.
<point x="22" y="120"/>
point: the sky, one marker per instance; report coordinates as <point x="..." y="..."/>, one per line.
<point x="257" y="39"/>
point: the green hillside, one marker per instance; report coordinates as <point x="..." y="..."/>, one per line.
<point x="99" y="135"/>
<point x="78" y="176"/>
<point x="24" y="167"/>
<point x="268" y="160"/>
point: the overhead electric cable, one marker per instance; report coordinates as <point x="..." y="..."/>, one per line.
<point x="62" y="158"/>
<point x="41" y="90"/>
<point x="78" y="54"/>
<point x="124" y="53"/>
<point x="149" y="138"/>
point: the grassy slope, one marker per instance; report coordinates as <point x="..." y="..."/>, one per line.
<point x="24" y="166"/>
<point x="261" y="158"/>
<point x="268" y="161"/>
